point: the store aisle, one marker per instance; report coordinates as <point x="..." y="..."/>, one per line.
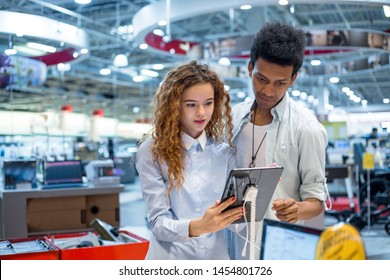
<point x="133" y="210"/>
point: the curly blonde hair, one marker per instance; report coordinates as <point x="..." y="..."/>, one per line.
<point x="167" y="145"/>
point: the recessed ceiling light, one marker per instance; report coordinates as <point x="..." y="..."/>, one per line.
<point x="10" y="51"/>
<point x="334" y="80"/>
<point x="158" y="66"/>
<point x="386" y="10"/>
<point x="121" y="60"/>
<point x="246" y="7"/>
<point x="315" y="62"/>
<point x="82" y="2"/>
<point x="105" y="71"/>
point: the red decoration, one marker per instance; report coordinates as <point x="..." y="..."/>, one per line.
<point x="98" y="112"/>
<point x="67" y="108"/>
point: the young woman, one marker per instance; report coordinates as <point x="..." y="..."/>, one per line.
<point x="184" y="165"/>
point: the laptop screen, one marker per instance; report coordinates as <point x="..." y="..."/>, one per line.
<point x="17" y="173"/>
<point x="285" y="241"/>
<point x="63" y="172"/>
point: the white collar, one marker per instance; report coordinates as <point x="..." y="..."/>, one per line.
<point x="189" y="141"/>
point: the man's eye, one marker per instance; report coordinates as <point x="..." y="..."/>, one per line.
<point x="280" y="84"/>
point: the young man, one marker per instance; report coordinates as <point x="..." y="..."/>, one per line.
<point x="273" y="129"/>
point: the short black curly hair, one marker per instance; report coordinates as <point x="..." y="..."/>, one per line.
<point x="281" y="44"/>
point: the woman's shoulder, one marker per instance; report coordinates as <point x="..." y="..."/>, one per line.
<point x="218" y="144"/>
<point x="145" y="144"/>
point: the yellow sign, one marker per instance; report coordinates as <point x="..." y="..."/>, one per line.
<point x="340" y="242"/>
<point x="368" y="161"/>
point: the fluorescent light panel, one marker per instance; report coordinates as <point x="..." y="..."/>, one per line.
<point x="41" y="47"/>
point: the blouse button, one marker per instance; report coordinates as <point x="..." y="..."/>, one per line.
<point x="283" y="147"/>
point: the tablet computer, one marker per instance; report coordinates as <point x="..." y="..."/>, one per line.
<point x="264" y="179"/>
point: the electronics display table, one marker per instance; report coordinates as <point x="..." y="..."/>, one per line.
<point x="32" y="212"/>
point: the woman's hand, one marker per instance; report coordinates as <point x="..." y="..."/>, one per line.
<point x="214" y="220"/>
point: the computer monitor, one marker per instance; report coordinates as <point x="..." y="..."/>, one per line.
<point x="287" y="241"/>
<point x="19" y="174"/>
<point x="358" y="150"/>
<point x="52" y="173"/>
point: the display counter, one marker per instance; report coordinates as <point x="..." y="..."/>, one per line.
<point x="35" y="211"/>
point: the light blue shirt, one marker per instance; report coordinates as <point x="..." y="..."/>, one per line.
<point x="207" y="167"/>
<point x="295" y="140"/>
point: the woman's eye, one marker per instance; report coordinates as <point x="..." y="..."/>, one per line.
<point x="190" y="105"/>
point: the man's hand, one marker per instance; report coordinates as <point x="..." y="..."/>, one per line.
<point x="286" y="210"/>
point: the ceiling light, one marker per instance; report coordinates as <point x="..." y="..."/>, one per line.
<point x="283" y="2"/>
<point x="357" y="99"/>
<point x="345" y="89"/>
<point x="295" y="92"/>
<point x="364" y="102"/>
<point x="246" y="7"/>
<point x="10" y="51"/>
<point x="149" y="73"/>
<point x="143" y="46"/>
<point x="105" y="71"/>
<point x="334" y="80"/>
<point x="63" y="67"/>
<point x="158" y="32"/>
<point x="241" y="94"/>
<point x="330" y="107"/>
<point x="28" y="51"/>
<point x="315" y="62"/>
<point x="136" y="110"/>
<point x="226" y="87"/>
<point x="224" y="61"/>
<point x="82" y="2"/>
<point x="162" y="22"/>
<point x="138" y="78"/>
<point x="84" y="51"/>
<point x="41" y="47"/>
<point x="386" y="100"/>
<point x="386" y="10"/>
<point x="121" y="60"/>
<point x="158" y="66"/>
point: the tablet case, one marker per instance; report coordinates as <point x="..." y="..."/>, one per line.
<point x="265" y="179"/>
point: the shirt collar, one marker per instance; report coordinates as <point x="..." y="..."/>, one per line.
<point x="279" y="109"/>
<point x="189" y="141"/>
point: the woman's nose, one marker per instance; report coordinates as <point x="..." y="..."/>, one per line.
<point x="200" y="112"/>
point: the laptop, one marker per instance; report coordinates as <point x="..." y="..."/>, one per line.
<point x="61" y="174"/>
<point x="286" y="241"/>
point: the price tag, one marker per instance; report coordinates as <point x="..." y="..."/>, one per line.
<point x="368" y="161"/>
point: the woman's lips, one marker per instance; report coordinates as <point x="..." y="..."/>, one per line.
<point x="200" y="122"/>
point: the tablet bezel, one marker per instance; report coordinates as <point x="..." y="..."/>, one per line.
<point x="264" y="178"/>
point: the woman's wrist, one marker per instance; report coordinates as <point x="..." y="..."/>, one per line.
<point x="194" y="228"/>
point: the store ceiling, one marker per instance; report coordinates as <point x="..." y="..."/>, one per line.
<point x="85" y="89"/>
